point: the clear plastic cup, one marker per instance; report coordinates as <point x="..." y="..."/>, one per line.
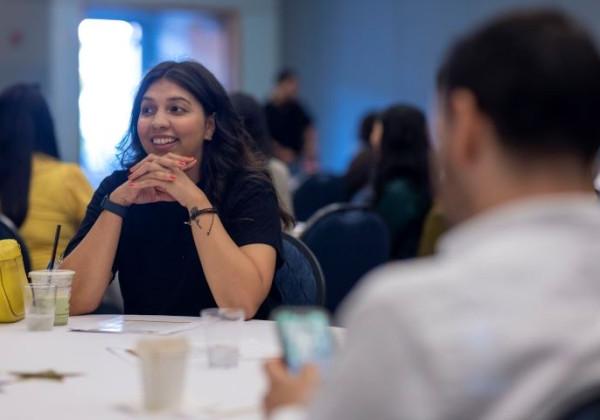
<point x="62" y="279"/>
<point x="223" y="327"/>
<point x="39" y="302"/>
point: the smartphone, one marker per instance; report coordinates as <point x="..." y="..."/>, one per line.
<point x="305" y="336"/>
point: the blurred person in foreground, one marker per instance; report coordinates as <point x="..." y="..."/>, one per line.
<point x="291" y="126"/>
<point x="255" y="122"/>
<point x="59" y="191"/>
<point x="488" y="328"/>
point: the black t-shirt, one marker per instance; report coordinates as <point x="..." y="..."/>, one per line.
<point x="159" y="268"/>
<point x="287" y="123"/>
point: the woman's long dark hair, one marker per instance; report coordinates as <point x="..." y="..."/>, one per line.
<point x="228" y="152"/>
<point x="404" y="149"/>
<point x="18" y="131"/>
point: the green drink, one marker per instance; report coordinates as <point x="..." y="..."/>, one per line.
<point x="61" y="314"/>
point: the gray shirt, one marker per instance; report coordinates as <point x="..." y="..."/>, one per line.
<point x="493" y="328"/>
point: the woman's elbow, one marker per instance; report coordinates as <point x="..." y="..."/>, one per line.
<point x="81" y="309"/>
<point x="79" y="306"/>
<point x="249" y="307"/>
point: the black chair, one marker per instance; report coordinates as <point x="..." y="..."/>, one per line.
<point x="300" y="279"/>
<point x="348" y="241"/>
<point x="316" y="192"/>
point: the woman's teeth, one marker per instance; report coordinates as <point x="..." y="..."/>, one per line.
<point x="163" y="140"/>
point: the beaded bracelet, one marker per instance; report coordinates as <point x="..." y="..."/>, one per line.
<point x="195" y="213"/>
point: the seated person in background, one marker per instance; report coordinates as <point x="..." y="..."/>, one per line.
<point x="193" y="220"/>
<point x="58" y="192"/>
<point x="291" y="126"/>
<point x="473" y="332"/>
<point x="401" y="188"/>
<point x="361" y="169"/>
<point x="15" y="171"/>
<point x="253" y="117"/>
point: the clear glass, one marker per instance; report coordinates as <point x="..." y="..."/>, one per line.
<point x="62" y="279"/>
<point x="39" y="306"/>
<point x="223" y="327"/>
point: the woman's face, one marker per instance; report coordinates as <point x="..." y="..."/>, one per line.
<point x="171" y="120"/>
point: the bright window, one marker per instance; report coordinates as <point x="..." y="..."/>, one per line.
<point x="110" y="68"/>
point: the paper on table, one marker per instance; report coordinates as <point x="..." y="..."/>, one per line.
<point x="127" y="324"/>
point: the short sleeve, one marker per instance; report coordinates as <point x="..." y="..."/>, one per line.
<point x="107" y="186"/>
<point x="251" y="214"/>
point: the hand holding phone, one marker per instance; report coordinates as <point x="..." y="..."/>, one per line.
<point x="305" y="337"/>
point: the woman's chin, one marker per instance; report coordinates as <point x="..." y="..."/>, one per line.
<point x="163" y="149"/>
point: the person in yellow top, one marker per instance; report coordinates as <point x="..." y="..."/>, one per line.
<point x="59" y="191"/>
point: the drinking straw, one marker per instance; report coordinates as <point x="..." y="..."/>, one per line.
<point x="56" y="236"/>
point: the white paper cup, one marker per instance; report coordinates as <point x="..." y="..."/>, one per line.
<point x="163" y="363"/>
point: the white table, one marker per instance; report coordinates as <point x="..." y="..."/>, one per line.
<point x="110" y="385"/>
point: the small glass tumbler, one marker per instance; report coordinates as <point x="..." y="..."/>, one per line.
<point x="223" y="327"/>
<point x="40" y="301"/>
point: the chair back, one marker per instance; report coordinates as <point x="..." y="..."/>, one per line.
<point x="300" y="279"/>
<point x="316" y="192"/>
<point x="348" y="241"/>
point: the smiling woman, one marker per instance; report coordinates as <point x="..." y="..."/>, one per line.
<point x="172" y="120"/>
<point x="192" y="221"/>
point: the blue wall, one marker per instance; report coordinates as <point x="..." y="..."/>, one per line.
<point x="356" y="55"/>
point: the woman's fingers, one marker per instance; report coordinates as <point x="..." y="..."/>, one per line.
<point x="150" y="158"/>
<point x="160" y="164"/>
<point x="156" y="165"/>
<point x="186" y="161"/>
<point x="175" y="164"/>
<point x="142" y="169"/>
<point x="158" y="175"/>
<point x="179" y="157"/>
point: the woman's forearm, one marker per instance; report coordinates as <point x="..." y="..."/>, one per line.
<point x="92" y="262"/>
<point x="234" y="278"/>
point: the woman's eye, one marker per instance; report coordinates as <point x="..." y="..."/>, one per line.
<point x="147" y="110"/>
<point x="175" y="109"/>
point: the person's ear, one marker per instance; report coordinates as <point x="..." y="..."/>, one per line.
<point x="209" y="127"/>
<point x="469" y="126"/>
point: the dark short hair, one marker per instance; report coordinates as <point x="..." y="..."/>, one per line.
<point x="536" y="74"/>
<point x="284" y="75"/>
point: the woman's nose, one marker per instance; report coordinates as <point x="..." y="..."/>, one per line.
<point x="160" y="120"/>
